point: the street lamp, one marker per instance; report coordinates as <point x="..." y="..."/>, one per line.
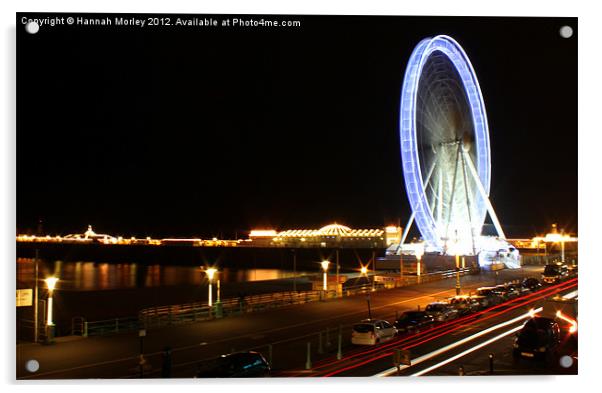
<point x="50" y="283"/>
<point x="419" y="253"/>
<point x="458" y="285"/>
<point x="210" y="273"/>
<point x="325" y="267"/>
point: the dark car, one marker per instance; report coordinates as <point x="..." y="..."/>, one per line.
<point x="464" y="304"/>
<point x="413" y="320"/>
<point x="554" y="273"/>
<point x="441" y="311"/>
<point x="492" y="297"/>
<point x="531" y="284"/>
<point x="538" y="339"/>
<point x="236" y="365"/>
<point x="507" y="291"/>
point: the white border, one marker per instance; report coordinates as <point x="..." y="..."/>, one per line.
<point x="589" y="163"/>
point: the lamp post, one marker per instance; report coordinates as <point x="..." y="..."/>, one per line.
<point x="338" y="270"/>
<point x="419" y="253"/>
<point x="562" y="249"/>
<point x="210" y="273"/>
<point x="325" y="267"/>
<point x="51" y="283"/>
<point x="458" y="288"/>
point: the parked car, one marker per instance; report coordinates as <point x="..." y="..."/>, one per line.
<point x="493" y="297"/>
<point x="572" y="270"/>
<point x="507" y="291"/>
<point x="413" y="320"/>
<point x="464" y="304"/>
<point x="480" y="301"/>
<point x="531" y="284"/>
<point x="236" y="365"/>
<point x="372" y="332"/>
<point x="538" y="339"/>
<point x="441" y="311"/>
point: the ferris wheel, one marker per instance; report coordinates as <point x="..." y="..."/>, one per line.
<point x="445" y="148"/>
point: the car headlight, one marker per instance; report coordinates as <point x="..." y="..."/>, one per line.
<point x="542" y="349"/>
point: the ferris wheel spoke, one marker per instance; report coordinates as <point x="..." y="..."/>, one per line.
<point x="449" y="213"/>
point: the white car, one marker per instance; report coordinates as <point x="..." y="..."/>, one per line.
<point x="372" y="332"/>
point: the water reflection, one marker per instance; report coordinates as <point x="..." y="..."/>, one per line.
<point x="89" y="276"/>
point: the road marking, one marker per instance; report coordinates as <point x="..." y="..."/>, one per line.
<point x="449" y="347"/>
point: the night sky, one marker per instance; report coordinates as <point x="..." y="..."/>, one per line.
<point x="215" y="131"/>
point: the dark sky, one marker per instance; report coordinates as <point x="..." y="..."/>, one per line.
<point x="207" y="131"/>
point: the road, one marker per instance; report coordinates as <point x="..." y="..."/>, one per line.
<point x="287" y="330"/>
<point x="466" y="342"/>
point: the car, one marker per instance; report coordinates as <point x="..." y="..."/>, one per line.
<point x="464" y="304"/>
<point x="572" y="270"/>
<point x="538" y="339"/>
<point x="372" y="332"/>
<point x="441" y="311"/>
<point x="493" y="297"/>
<point x="531" y="284"/>
<point x="507" y="291"/>
<point x="412" y="321"/>
<point x="248" y="364"/>
<point x="554" y="273"/>
<point x="481" y="302"/>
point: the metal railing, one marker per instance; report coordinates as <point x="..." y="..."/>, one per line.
<point x="104" y="327"/>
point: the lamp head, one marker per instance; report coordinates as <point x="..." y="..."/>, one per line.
<point x="211" y="272"/>
<point x="51" y="283"/>
<point x="325" y="265"/>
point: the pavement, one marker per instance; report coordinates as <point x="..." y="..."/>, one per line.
<point x="284" y="331"/>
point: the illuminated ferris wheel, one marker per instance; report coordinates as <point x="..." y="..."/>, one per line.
<point x="445" y="147"/>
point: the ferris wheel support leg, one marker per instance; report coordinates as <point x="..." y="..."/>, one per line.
<point x="465" y="176"/>
<point x="413" y="215"/>
<point x="405" y="232"/>
<point x="475" y="175"/>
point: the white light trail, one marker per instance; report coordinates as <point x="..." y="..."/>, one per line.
<point x="449" y="347"/>
<point x="458" y="356"/>
<point x="570" y="295"/>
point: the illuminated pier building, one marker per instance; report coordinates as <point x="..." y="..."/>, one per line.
<point x="334" y="235"/>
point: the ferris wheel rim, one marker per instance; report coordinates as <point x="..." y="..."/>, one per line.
<point x="415" y="187"/>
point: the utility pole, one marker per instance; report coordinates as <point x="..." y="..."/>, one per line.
<point x="294" y="270"/>
<point x="141" y="361"/>
<point x="373" y="269"/>
<point x="36" y="332"/>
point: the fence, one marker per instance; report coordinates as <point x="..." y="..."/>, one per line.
<point x="540" y="260"/>
<point x="156" y="317"/>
